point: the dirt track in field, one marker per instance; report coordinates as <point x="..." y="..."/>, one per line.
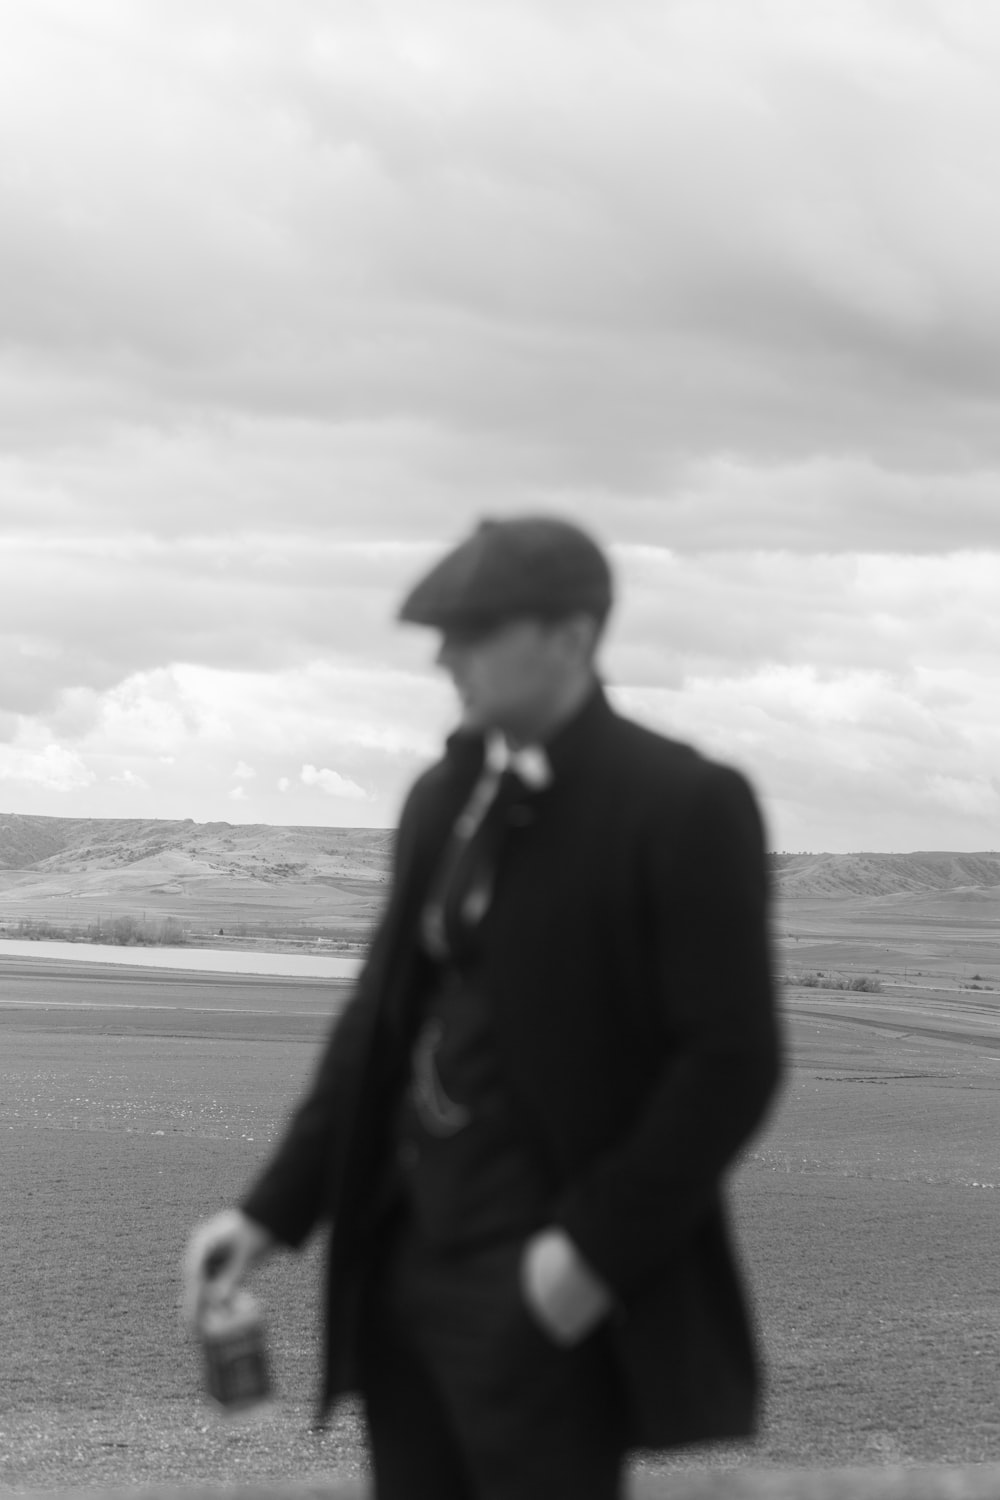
<point x="107" y="998"/>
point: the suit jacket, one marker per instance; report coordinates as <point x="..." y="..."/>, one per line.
<point x="626" y="955"/>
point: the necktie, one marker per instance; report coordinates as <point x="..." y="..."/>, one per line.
<point x="459" y="899"/>
<point x="464" y="886"/>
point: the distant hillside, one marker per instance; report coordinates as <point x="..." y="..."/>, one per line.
<point x="75" y="872"/>
<point x="260" y="850"/>
<point x="883" y="874"/>
<point x="152" y="861"/>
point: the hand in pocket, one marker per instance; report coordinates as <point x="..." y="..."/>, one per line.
<point x="562" y="1293"/>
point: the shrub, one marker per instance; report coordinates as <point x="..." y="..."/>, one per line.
<point x="129" y="931"/>
<point x="124" y="930"/>
<point x="37" y="930"/>
<point x="821" y="981"/>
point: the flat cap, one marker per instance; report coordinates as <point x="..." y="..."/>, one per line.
<point x="532" y="565"/>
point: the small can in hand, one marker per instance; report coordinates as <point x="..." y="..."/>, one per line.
<point x="232" y="1337"/>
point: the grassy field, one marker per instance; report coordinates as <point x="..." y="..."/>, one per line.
<point x="866" y="1213"/>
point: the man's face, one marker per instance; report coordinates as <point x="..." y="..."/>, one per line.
<point x="509" y="676"/>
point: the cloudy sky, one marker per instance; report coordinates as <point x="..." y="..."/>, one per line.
<point x="294" y="291"/>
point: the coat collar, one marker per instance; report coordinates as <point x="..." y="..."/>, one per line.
<point x="465" y="750"/>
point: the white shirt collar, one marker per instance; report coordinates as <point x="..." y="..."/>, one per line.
<point x="529" y="762"/>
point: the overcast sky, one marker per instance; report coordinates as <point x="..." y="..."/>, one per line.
<point x="292" y="292"/>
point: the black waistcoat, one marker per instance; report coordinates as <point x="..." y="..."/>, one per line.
<point x="455" y="1151"/>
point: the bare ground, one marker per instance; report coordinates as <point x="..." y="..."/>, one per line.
<point x="866" y="1211"/>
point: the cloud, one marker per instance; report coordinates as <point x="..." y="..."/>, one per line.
<point x="243" y="772"/>
<point x="182" y="729"/>
<point x="492" y="240"/>
<point x="722" y="613"/>
<point x="370" y="257"/>
<point x="333" y="784"/>
<point x="290" y="296"/>
<point x="238" y="794"/>
<point x="52" y="768"/>
<point x="848" y="762"/>
<point x="64" y="601"/>
<point x="130" y="779"/>
<point x="811" y="672"/>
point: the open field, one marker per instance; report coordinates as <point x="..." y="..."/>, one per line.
<point x="940" y="939"/>
<point x="127" y="1111"/>
<point x="134" y="1102"/>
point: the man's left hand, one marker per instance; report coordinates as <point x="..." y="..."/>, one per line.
<point x="564" y="1294"/>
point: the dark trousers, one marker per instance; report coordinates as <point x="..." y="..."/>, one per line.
<point x="468" y="1399"/>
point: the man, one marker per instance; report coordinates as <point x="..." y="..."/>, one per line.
<point x="563" y="1035"/>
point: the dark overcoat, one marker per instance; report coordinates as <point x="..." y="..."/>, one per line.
<point x="626" y="958"/>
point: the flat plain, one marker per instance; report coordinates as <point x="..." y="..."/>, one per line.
<point x="132" y="1104"/>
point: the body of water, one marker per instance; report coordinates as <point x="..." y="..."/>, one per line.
<point x="210" y="960"/>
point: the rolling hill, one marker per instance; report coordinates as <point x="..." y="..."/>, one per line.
<point x="79" y="845"/>
<point x="876" y="874"/>
<point x="77" y="871"/>
<point x="183" y="852"/>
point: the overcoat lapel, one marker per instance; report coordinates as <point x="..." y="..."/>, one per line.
<point x="392" y="975"/>
<point x="441" y="797"/>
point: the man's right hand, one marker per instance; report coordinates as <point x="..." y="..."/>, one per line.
<point x="220" y="1254"/>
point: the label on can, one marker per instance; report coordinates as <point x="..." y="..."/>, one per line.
<point x="237" y="1375"/>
